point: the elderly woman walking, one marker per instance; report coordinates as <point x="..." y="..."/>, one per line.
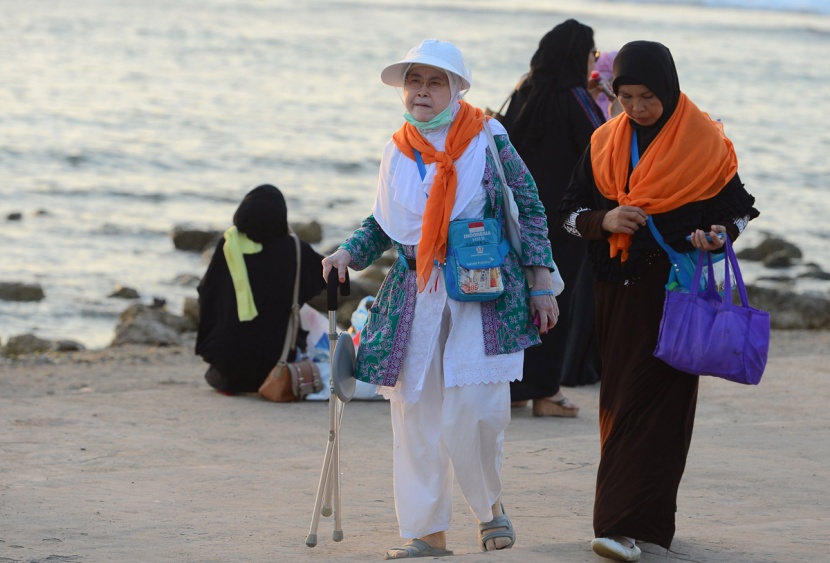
<point x="445" y="364"/>
<point x="666" y="159"/>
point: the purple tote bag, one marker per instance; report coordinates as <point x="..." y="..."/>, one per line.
<point x="705" y="334"/>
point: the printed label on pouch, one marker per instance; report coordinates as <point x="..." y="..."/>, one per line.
<point x="476" y="230"/>
<point x="487" y="280"/>
<point x="477" y="235"/>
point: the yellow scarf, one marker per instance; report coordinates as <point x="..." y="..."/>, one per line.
<point x="237" y="244"/>
<point x="433" y="243"/>
<point x="689" y="160"/>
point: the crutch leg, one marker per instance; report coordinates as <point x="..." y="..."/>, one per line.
<point x="326" y="510"/>
<point x="325" y="484"/>
<point x="337" y="535"/>
<point x="311" y="539"/>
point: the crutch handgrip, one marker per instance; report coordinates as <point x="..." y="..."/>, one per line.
<point x="333" y="284"/>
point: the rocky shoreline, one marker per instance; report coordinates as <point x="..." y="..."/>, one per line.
<point x="779" y="264"/>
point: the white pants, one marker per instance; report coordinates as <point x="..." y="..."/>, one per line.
<point x="447" y="432"/>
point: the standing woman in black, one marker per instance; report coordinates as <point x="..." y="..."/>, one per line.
<point x="665" y="159"/>
<point x="550" y="121"/>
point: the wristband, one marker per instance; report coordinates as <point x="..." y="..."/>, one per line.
<point x="539" y="292"/>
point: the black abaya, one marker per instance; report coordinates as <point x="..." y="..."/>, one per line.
<point x="242" y="353"/>
<point x="568" y="354"/>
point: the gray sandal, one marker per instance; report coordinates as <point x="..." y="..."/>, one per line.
<point x="484" y="535"/>
<point x="417" y="548"/>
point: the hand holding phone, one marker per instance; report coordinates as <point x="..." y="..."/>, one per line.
<point x="603" y="85"/>
<point x="721" y="236"/>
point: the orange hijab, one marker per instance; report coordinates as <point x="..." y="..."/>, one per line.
<point x="690" y="159"/>
<point x="465" y="127"/>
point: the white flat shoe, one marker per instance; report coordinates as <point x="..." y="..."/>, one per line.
<point x="606" y="547"/>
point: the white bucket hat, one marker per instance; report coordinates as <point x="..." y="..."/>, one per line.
<point x="440" y="54"/>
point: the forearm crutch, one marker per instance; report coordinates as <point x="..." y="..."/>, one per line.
<point x="341" y="389"/>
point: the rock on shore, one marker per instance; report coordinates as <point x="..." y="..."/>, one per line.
<point x="18" y="291"/>
<point x="153" y="325"/>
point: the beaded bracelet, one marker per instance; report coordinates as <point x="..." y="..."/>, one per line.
<point x="539" y="292"/>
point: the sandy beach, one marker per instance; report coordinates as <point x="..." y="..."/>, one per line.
<point x="127" y="455"/>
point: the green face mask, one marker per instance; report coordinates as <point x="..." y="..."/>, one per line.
<point x="436" y="122"/>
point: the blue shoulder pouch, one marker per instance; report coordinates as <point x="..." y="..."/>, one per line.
<point x="475" y="252"/>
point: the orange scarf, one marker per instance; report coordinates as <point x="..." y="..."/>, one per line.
<point x="433" y="244"/>
<point x="689" y="160"/>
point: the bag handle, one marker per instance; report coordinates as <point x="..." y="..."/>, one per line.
<point x="511" y="215"/>
<point x="491" y="140"/>
<point x="506" y="100"/>
<point x="659" y="238"/>
<point x="294" y="318"/>
<point x="730" y="263"/>
<point x="736" y="270"/>
<point x="673" y="254"/>
<point x="635" y="160"/>
<point x="711" y="285"/>
<point x="509" y="208"/>
<point x="512" y="93"/>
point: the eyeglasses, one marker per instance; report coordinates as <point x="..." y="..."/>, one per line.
<point x="596" y="53"/>
<point x="416" y="83"/>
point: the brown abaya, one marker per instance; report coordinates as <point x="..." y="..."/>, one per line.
<point x="646" y="408"/>
<point x="646" y="412"/>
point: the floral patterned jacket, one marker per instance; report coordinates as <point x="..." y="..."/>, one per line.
<point x="506" y="321"/>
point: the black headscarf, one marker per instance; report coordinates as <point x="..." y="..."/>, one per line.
<point x="262" y="215"/>
<point x="560" y="63"/>
<point x="648" y="63"/>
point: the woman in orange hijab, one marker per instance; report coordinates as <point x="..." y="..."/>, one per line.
<point x="664" y="158"/>
<point x="446" y="365"/>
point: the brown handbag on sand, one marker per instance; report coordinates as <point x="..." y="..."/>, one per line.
<point x="292" y="381"/>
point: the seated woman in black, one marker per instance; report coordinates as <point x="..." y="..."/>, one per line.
<point x="246" y="294"/>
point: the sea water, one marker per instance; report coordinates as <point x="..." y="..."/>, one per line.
<point x="122" y="119"/>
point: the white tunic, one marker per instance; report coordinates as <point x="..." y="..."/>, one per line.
<point x="464" y="361"/>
